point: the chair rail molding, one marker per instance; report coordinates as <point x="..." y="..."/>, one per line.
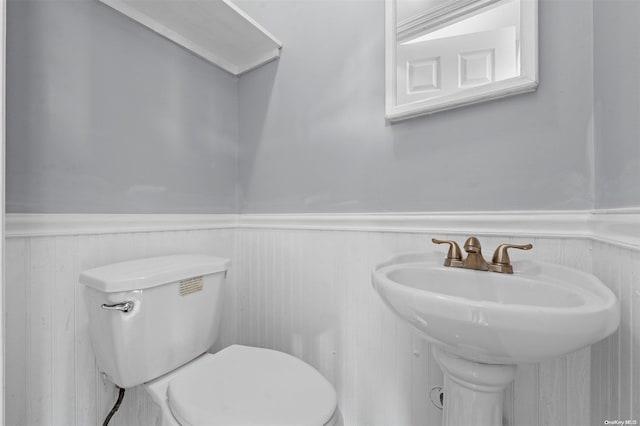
<point x="615" y="226"/>
<point x="39" y="225"/>
<point x="619" y="227"/>
<point x="538" y="223"/>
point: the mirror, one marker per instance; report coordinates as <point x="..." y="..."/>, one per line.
<point x="443" y="54"/>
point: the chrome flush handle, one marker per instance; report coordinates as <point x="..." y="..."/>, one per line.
<point x="123" y="306"/>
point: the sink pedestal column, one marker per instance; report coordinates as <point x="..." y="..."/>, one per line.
<point x="473" y="391"/>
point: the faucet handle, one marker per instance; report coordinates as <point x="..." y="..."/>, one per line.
<point x="454" y="255"/>
<point x="501" y="262"/>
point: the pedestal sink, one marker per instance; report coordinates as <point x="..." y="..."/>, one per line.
<point x="482" y="324"/>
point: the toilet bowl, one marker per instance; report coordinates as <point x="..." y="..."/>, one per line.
<point x="245" y="386"/>
<point x="152" y="322"/>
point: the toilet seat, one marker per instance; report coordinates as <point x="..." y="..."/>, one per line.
<point x="246" y="386"/>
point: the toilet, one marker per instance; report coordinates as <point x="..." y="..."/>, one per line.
<point x="152" y="322"/>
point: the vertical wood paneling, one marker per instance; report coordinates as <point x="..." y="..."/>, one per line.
<point x="52" y="377"/>
<point x="106" y="253"/>
<point x="40" y="328"/>
<point x="578" y="388"/>
<point x="382" y="371"/>
<point x="16" y="302"/>
<point x="625" y="349"/>
<point x="307" y="293"/>
<point x="615" y="368"/>
<point x="634" y="330"/>
<point x="613" y="281"/>
<point x="552" y="392"/>
<point x="600" y="353"/>
<point x="85" y="392"/>
<point x="63" y="330"/>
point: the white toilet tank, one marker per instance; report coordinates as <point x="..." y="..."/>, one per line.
<point x="172" y="316"/>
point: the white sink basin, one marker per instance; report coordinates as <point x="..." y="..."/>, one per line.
<point x="541" y="311"/>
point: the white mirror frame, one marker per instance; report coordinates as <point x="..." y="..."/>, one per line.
<point x="526" y="82"/>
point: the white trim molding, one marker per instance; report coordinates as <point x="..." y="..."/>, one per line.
<point x="38" y="225"/>
<point x="619" y="226"/>
<point x="525" y="81"/>
<point x="436" y="17"/>
<point x="527" y="223"/>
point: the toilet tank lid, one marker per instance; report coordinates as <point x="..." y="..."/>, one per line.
<point x="151" y="272"/>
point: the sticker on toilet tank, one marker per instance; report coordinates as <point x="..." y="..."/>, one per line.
<point x="190" y="285"/>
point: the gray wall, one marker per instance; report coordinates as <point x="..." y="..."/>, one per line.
<point x="313" y="138"/>
<point x="617" y="102"/>
<point x="105" y="116"/>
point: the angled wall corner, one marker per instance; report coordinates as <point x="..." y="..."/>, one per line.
<point x="616" y="62"/>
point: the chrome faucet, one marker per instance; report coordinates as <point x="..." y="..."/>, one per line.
<point x="500" y="261"/>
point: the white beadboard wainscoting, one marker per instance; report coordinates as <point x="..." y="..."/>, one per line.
<point x="51" y="374"/>
<point x="309" y="293"/>
<point x="301" y="284"/>
<point x="615" y="361"/>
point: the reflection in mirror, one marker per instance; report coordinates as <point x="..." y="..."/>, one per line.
<point x="449" y="53"/>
